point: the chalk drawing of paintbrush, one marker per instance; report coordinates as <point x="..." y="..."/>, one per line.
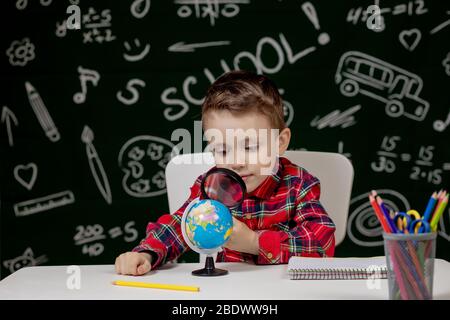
<point x="42" y="113"/>
<point x="87" y="136"/>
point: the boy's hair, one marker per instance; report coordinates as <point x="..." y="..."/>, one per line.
<point x="242" y="92"/>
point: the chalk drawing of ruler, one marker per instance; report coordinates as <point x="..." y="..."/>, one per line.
<point x="44" y="203"/>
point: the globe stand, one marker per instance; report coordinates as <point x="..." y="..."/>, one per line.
<point x="209" y="270"/>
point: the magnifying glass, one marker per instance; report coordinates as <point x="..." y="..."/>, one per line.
<point x="225" y="186"/>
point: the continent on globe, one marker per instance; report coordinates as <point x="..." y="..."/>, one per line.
<point x="208" y="224"/>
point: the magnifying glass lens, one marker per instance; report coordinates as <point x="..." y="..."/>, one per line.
<point x="224" y="187"/>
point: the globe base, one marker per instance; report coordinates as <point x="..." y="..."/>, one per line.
<point x="209" y="270"/>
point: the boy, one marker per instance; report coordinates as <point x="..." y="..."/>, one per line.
<point x="281" y="215"/>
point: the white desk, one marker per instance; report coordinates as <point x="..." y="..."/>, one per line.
<point x="244" y="282"/>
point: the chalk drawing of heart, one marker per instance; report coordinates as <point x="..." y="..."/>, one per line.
<point x="410" y="38"/>
<point x="22" y="170"/>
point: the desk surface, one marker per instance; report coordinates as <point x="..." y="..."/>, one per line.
<point x="244" y="282"/>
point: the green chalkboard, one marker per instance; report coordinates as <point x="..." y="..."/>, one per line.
<point x="87" y="114"/>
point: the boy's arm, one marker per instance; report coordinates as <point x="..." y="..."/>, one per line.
<point x="311" y="233"/>
<point x="164" y="240"/>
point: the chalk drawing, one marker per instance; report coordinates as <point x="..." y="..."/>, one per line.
<point x="85" y="76"/>
<point x="20" y="52"/>
<point x="7" y="117"/>
<point x="27" y="259"/>
<point x="136" y="56"/>
<point x="49" y="202"/>
<point x="138" y="159"/>
<point x="363" y="227"/>
<point x="134" y="93"/>
<point x="41" y="113"/>
<point x="27" y="183"/>
<point x="96" y="166"/>
<point x="397" y="88"/>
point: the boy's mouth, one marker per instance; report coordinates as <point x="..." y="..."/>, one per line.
<point x="245" y="176"/>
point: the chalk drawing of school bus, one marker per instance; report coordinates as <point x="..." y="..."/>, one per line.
<point x="399" y="89"/>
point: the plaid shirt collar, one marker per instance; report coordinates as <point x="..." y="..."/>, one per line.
<point x="267" y="187"/>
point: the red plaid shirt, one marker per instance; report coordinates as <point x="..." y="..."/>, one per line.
<point x="284" y="209"/>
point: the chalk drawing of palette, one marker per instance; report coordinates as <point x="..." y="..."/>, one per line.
<point x="52" y="201"/>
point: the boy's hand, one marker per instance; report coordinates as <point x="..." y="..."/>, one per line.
<point x="133" y="263"/>
<point x="243" y="239"/>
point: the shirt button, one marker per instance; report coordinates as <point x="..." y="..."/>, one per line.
<point x="269" y="255"/>
<point x="248" y="216"/>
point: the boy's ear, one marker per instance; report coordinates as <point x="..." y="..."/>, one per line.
<point x="283" y="140"/>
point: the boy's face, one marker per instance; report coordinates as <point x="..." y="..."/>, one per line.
<point x="246" y="144"/>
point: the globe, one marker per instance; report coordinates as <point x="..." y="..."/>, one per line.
<point x="206" y="225"/>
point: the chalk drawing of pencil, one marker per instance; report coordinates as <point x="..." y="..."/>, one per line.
<point x="42" y="113"/>
<point x="87" y="136"/>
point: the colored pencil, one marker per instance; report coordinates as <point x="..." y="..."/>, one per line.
<point x="438" y="212"/>
<point x="430" y="207"/>
<point x="385" y="212"/>
<point x="379" y="214"/>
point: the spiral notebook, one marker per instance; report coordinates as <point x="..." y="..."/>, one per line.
<point x="303" y="268"/>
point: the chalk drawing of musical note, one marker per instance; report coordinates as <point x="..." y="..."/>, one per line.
<point x="42" y="114"/>
<point x="85" y="76"/>
<point x="44" y="203"/>
<point x="27" y="259"/>
<point x="440" y="125"/>
<point x="34" y="170"/>
<point x="96" y="165"/>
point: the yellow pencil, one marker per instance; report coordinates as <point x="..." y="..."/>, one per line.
<point x="439" y="211"/>
<point x="155" y="285"/>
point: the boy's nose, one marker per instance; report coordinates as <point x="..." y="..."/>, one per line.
<point x="238" y="167"/>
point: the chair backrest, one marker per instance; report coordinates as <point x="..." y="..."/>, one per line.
<point x="334" y="171"/>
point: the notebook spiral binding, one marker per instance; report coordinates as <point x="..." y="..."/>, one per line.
<point x="338" y="274"/>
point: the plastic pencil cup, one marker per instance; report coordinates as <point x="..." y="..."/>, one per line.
<point x="410" y="265"/>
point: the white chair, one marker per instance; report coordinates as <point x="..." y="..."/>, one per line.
<point x="334" y="171"/>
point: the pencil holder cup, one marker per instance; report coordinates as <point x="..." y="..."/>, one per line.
<point x="410" y="265"/>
